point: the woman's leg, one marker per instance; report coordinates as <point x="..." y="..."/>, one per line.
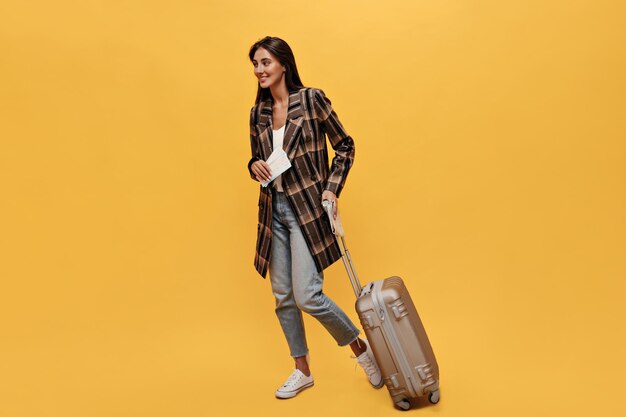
<point x="307" y="288"/>
<point x="358" y="346"/>
<point x="288" y="313"/>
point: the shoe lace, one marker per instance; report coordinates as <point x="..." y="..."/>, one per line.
<point x="293" y="378"/>
<point x="366" y="363"/>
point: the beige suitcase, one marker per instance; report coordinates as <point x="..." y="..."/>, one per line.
<point x="395" y="333"/>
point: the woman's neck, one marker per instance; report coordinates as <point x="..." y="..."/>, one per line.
<point x="280" y="95"/>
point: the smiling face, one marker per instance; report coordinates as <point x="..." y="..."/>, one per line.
<point x="269" y="71"/>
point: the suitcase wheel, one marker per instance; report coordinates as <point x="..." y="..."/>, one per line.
<point x="403" y="405"/>
<point x="433" y="397"/>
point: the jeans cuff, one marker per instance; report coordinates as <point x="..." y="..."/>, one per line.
<point x="297" y="356"/>
<point x="356" y="336"/>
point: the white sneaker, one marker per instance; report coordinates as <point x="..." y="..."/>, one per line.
<point x="296" y="382"/>
<point x="369" y="365"/>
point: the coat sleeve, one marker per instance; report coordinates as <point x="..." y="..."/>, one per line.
<point x="341" y="142"/>
<point x="254" y="144"/>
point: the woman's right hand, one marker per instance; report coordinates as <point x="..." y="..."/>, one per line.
<point x="261" y="170"/>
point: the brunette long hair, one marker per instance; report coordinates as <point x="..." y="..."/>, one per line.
<point x="281" y="50"/>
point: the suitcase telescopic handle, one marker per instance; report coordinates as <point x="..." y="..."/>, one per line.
<point x="337" y="228"/>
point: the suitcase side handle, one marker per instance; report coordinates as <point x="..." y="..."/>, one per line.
<point x="337" y="228"/>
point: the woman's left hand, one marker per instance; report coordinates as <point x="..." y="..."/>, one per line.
<point x="330" y="196"/>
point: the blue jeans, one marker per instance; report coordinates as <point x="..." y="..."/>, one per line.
<point x="297" y="285"/>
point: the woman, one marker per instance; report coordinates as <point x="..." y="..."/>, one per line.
<point x="294" y="240"/>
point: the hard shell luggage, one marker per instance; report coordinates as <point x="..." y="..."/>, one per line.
<point x="395" y="332"/>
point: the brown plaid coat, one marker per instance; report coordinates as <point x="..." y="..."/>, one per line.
<point x="309" y="118"/>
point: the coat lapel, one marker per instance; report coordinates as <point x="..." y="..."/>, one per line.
<point x="293" y="125"/>
<point x="264" y="127"/>
<point x="295" y="117"/>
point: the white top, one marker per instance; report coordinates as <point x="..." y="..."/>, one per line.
<point x="277" y="142"/>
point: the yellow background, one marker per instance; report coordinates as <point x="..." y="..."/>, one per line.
<point x="489" y="173"/>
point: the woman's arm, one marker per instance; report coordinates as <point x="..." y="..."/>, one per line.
<point x="254" y="144"/>
<point x="339" y="139"/>
<point x="259" y="170"/>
